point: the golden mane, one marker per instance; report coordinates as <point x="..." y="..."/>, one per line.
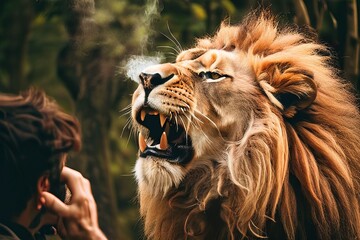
<point x="295" y="172"/>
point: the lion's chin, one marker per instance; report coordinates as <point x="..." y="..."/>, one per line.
<point x="158" y="176"/>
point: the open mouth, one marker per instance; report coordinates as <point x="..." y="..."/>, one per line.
<point x="165" y="139"/>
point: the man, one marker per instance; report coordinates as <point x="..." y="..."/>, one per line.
<point x="35" y="137"/>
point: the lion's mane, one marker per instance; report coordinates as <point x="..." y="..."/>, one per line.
<point x="295" y="172"/>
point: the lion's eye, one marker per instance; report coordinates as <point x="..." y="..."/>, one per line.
<point x="215" y="75"/>
<point x="212" y="76"/>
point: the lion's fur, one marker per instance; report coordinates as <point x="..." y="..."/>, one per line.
<point x="295" y="171"/>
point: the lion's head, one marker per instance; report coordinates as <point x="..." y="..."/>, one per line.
<point x="249" y="133"/>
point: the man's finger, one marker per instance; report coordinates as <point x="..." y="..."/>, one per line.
<point x="92" y="203"/>
<point x="55" y="205"/>
<point x="73" y="180"/>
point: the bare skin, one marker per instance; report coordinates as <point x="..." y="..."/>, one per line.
<point x="78" y="219"/>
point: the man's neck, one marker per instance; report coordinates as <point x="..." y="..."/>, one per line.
<point x="27" y="217"/>
<point x="33" y="219"/>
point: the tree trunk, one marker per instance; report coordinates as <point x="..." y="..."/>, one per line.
<point x="88" y="75"/>
<point x="17" y="16"/>
<point x="93" y="109"/>
<point x="351" y="61"/>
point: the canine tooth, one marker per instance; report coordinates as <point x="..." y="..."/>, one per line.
<point x="162" y="120"/>
<point x="142" y="115"/>
<point x="142" y="143"/>
<point x="163" y="141"/>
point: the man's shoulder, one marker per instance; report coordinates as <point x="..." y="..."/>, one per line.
<point x="6" y="233"/>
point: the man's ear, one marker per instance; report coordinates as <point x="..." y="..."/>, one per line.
<point x="43" y="183"/>
<point x="289" y="88"/>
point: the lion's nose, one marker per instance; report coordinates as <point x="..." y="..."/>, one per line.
<point x="149" y="81"/>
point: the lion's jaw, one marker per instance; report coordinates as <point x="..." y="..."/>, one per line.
<point x="198" y="96"/>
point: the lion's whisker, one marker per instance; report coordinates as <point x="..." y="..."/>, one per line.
<point x="186" y="129"/>
<point x="127" y="125"/>
<point x="127" y="175"/>
<point x="192" y="122"/>
<point x="178" y="48"/>
<point x="207" y="118"/>
<point x="170" y="54"/>
<point x="189" y="122"/>
<point x="178" y="43"/>
<point x="133" y="133"/>
<point x="213" y="123"/>
<point x="126" y="110"/>
<point x="172" y="48"/>
<point x="196" y="125"/>
<point x="176" y="121"/>
<point x="196" y="118"/>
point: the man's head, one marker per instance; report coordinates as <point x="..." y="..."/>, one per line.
<point x="35" y="136"/>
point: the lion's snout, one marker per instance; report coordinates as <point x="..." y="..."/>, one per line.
<point x="156" y="75"/>
<point x="149" y="81"/>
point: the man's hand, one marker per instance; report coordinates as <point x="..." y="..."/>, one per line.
<point x="77" y="219"/>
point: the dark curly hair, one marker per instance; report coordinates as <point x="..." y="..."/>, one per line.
<point x="34" y="135"/>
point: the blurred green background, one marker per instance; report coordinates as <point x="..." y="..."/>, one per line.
<point x="77" y="50"/>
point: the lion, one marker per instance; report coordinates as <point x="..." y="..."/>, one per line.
<point x="249" y="134"/>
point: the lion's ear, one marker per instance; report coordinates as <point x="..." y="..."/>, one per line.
<point x="290" y="89"/>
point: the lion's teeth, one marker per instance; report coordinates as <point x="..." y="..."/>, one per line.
<point x="154" y="113"/>
<point x="162" y="120"/>
<point x="163" y="141"/>
<point x="142" y="143"/>
<point x="142" y="115"/>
